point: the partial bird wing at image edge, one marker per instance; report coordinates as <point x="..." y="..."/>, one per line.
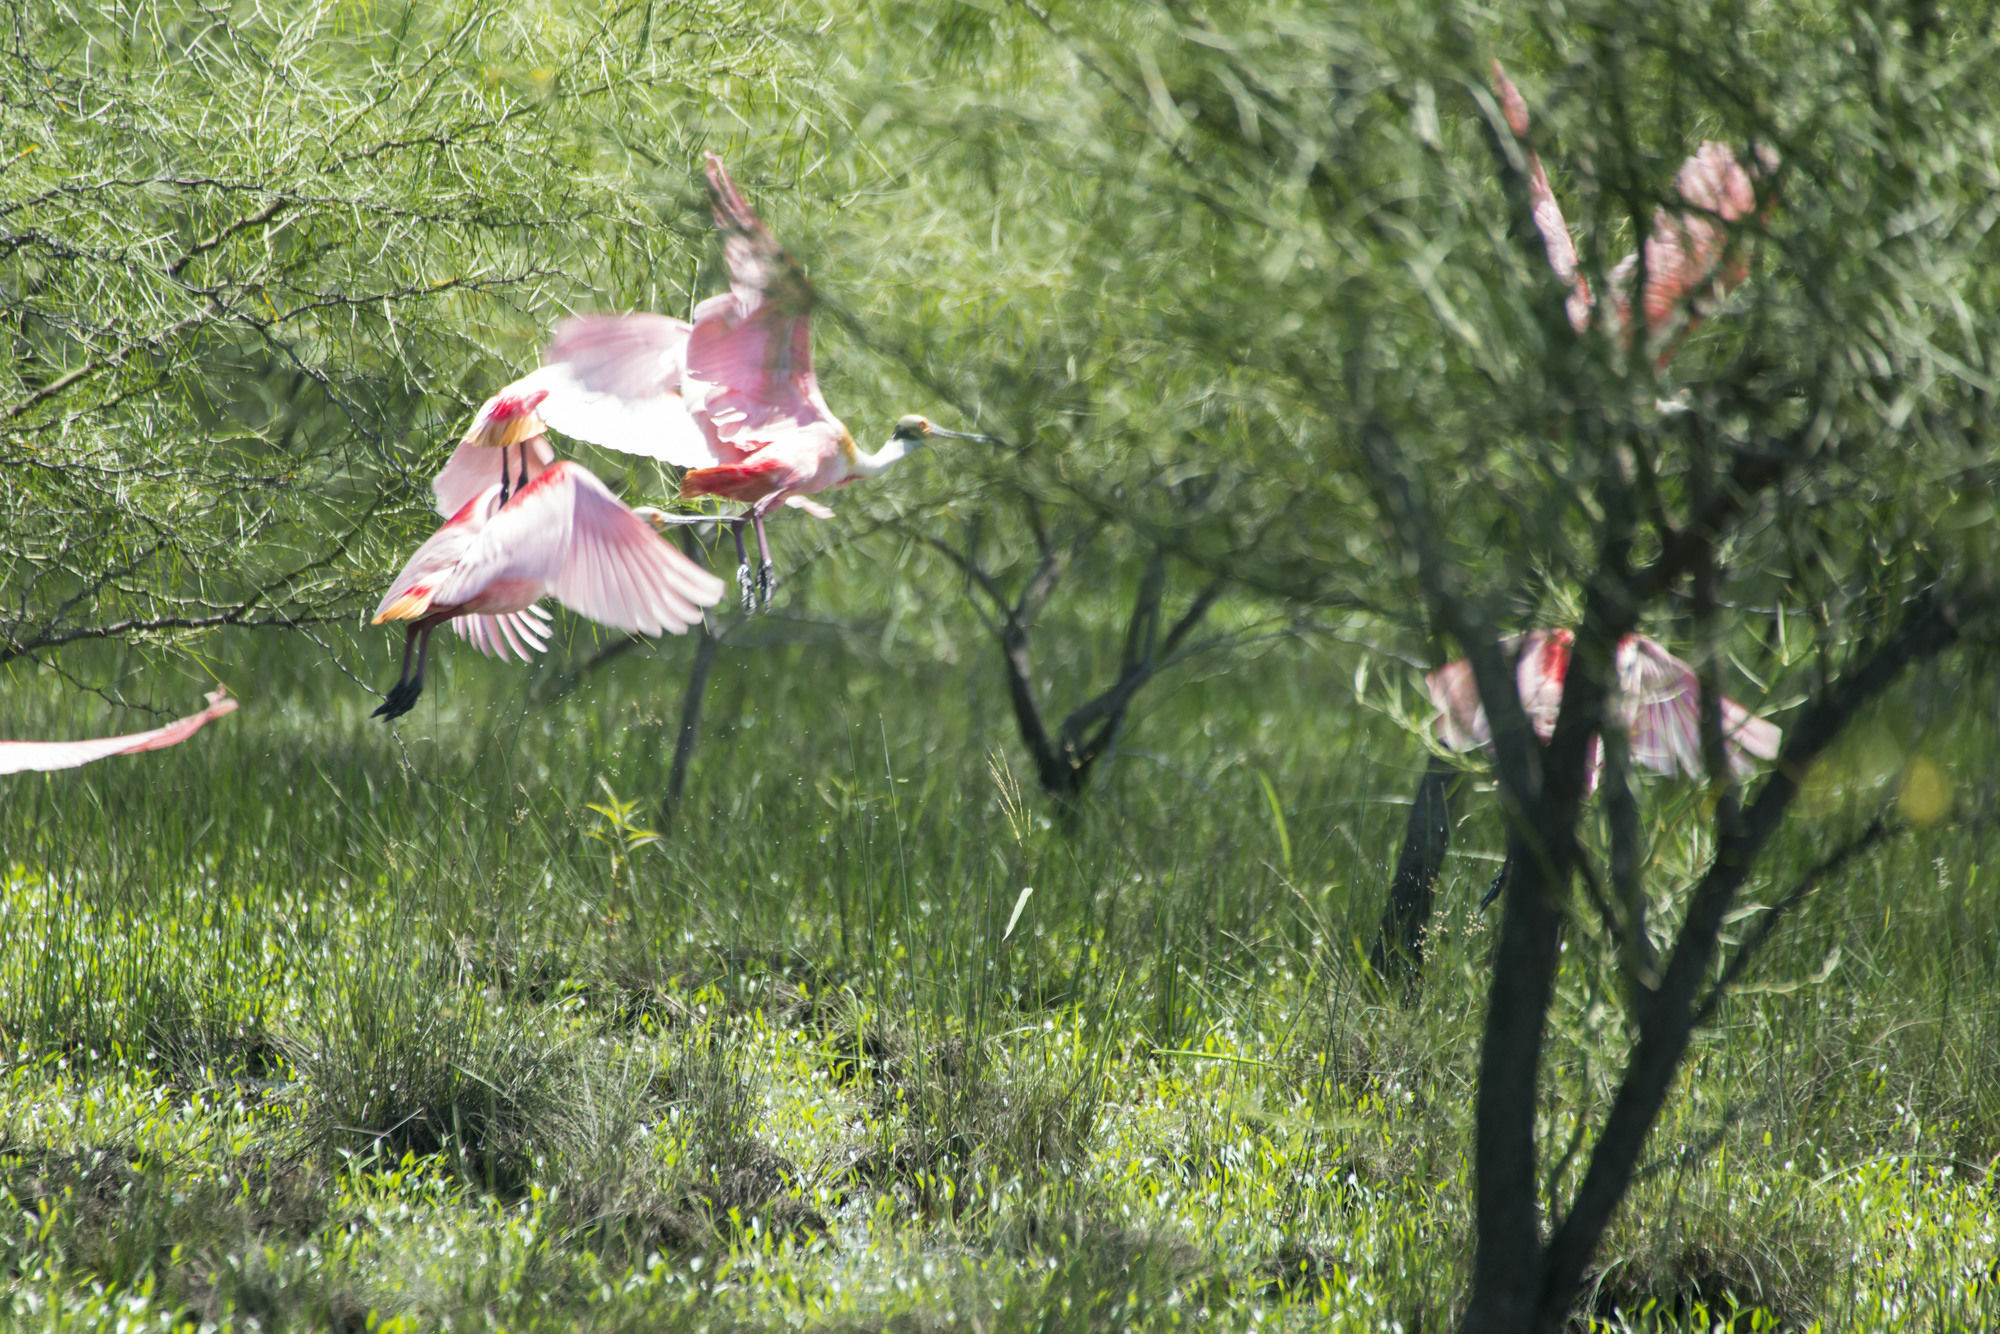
<point x="25" y="756"/>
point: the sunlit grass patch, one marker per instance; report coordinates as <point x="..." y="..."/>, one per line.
<point x="789" y="1068"/>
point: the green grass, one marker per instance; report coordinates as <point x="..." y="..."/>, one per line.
<point x="311" y="1023"/>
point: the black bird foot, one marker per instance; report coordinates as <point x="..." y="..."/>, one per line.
<point x="402" y="697"/>
<point x="767" y="584"/>
<point x="747" y="587"/>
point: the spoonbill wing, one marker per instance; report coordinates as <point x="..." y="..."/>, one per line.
<point x="475" y="465"/>
<point x="21" y="756"/>
<point x="1539" y="673"/>
<point x="1661" y="700"/>
<point x="1556" y="240"/>
<point x="1686" y="252"/>
<point x="1461" y="722"/>
<point x="599" y="558"/>
<point x="436" y="564"/>
<point x="616" y="381"/>
<point x="1541" y="659"/>
<point x="749" y="358"/>
<point x="523" y="633"/>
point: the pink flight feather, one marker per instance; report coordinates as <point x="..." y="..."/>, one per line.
<point x="20" y="756"/>
<point x="1687" y="252"/>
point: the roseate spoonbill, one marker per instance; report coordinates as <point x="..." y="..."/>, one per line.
<point x="505" y="421"/>
<point x="732" y="396"/>
<point x="1656" y="698"/>
<point x="562" y="534"/>
<point x="18" y="756"/>
<point x="1688" y="260"/>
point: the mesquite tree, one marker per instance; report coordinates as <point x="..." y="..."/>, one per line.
<point x="255" y="265"/>
<point x="1297" y="252"/>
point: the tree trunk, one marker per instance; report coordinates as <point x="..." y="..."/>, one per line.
<point x="1398" y="951"/>
<point x="706" y="645"/>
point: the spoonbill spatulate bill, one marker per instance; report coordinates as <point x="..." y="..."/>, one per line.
<point x="562" y="535"/>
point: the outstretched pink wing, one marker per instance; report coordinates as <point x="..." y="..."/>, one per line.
<point x="1541" y="660"/>
<point x="749" y="358"/>
<point x="568" y="533"/>
<point x="1660" y="699"/>
<point x="1657" y="697"/>
<point x="1687" y="253"/>
<point x="622" y="572"/>
<point x="523" y="633"/>
<point x="435" y="566"/>
<point x="618" y="381"/>
<point x="1687" y="259"/>
<point x="20" y="756"/>
<point x="1556" y="240"/>
<point x="475" y="464"/>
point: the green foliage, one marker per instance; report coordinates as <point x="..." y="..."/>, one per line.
<point x="315" y="1023"/>
<point x="258" y="264"/>
<point x="804" y="1079"/>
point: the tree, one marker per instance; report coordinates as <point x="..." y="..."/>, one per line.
<point x="254" y="268"/>
<point x="1297" y="251"/>
<point x="1157" y="638"/>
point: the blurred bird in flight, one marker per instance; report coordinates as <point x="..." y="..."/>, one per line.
<point x="21" y="756"/>
<point x="731" y="396"/>
<point x="1656" y="702"/>
<point x="562" y="534"/>
<point x="1689" y="260"/>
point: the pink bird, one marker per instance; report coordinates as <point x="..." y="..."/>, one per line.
<point x="1657" y="701"/>
<point x="732" y="396"/>
<point x="1688" y="259"/>
<point x="19" y="756"/>
<point x="505" y="421"/>
<point x="562" y="534"/>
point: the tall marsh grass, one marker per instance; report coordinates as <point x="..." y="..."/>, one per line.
<point x="392" y="1025"/>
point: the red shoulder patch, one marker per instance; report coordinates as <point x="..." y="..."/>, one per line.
<point x="736" y="481"/>
<point x="509" y="406"/>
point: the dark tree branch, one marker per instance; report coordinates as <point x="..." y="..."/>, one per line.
<point x="238" y="616"/>
<point x="706" y="647"/>
<point x="1877" y="831"/>
<point x="1516" y="756"/>
<point x="1635" y="944"/>
<point x="980" y="579"/>
<point x="1109" y="709"/>
<point x="1507" y="1226"/>
<point x="1670" y="1019"/>
<point x="118" y="357"/>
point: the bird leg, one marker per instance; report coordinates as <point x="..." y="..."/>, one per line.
<point x="523" y="484"/>
<point x="767" y="574"/>
<point x="1499" y="882"/>
<point x="402" y="696"/>
<point x="743" y="584"/>
<point x="504" y="477"/>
